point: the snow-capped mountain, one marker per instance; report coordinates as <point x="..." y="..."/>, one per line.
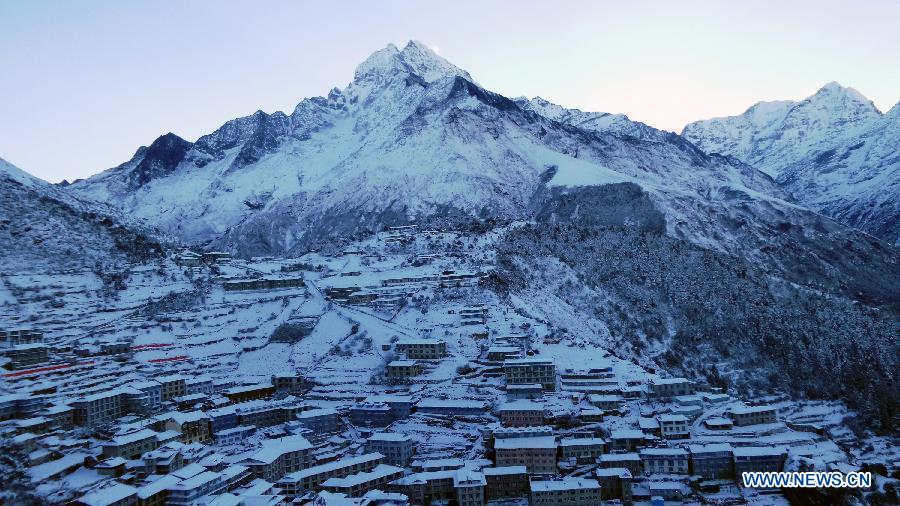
<point x="834" y="152"/>
<point x="413" y="138"/>
<point x="44" y="228"/>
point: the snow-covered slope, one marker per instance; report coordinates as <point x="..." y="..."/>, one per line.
<point x="833" y="152"/>
<point x="413" y="138"/>
<point x="43" y="228"/>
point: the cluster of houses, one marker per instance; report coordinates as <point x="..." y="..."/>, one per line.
<point x="533" y="430"/>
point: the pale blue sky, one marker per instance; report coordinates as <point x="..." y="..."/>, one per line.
<point x="84" y="83"/>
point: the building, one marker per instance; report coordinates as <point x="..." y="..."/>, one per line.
<point x="502" y="353"/>
<point x="266" y="413"/>
<point x="234" y="435"/>
<point x="569" y="491"/>
<point x="186" y="492"/>
<point x="172" y="386"/>
<point x="152" y="389"/>
<point x="522" y="413"/>
<point x="718" y="423"/>
<point x="469" y="487"/>
<point x="615" y="483"/>
<point x="524" y="371"/>
<point x="626" y="440"/>
<point x="397" y="449"/>
<point x="664" y="460"/>
<point x="712" y="461"/>
<point x="537" y="454"/>
<point x="97" y="409"/>
<point x="198" y="385"/>
<point x="422" y="349"/>
<point x="27" y="355"/>
<point x="585" y="450"/>
<point x="321" y="422"/>
<point x="610" y="403"/>
<point x="371" y="414"/>
<point x="402" y="369"/>
<point x="249" y="392"/>
<point x="758" y="459"/>
<point x="503" y="482"/>
<point x="356" y="485"/>
<point x="194" y="426"/>
<point x="528" y="391"/>
<point x="117" y="494"/>
<point x="289" y="382"/>
<point x="400" y="405"/>
<point x="299" y="482"/>
<point x="130" y="446"/>
<point x="278" y="457"/>
<point x="630" y="461"/>
<point x="743" y="416"/>
<point x="12" y="338"/>
<point x="451" y="407"/>
<point x="269" y="283"/>
<point x="666" y="388"/>
<point x="674" y="426"/>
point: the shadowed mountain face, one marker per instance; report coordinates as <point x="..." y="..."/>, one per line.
<point x="833" y="152"/>
<point x="45" y="229"/>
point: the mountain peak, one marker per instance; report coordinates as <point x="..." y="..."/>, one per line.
<point x="415" y="58"/>
<point x="843" y="95"/>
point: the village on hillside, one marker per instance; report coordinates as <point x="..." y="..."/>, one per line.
<point x="389" y="373"/>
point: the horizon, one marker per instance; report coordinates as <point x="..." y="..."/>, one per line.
<point x="215" y="64"/>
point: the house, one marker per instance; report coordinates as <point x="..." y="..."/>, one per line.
<point x="371" y="414"/>
<point x="263" y="413"/>
<point x="422" y="349"/>
<point x="501" y="353"/>
<point x="674" y="426"/>
<point x="666" y="388"/>
<point x="504" y="482"/>
<point x="321" y="422"/>
<point x="198" y="385"/>
<point x="164" y="460"/>
<point x="117" y="494"/>
<point x="569" y="491"/>
<point x="234" y="435"/>
<point x="26" y="355"/>
<point x="290" y="382"/>
<point x="526" y="371"/>
<point x="664" y="460"/>
<point x="758" y="459"/>
<point x="267" y="283"/>
<point x="526" y="391"/>
<point x="522" y="413"/>
<point x="130" y="446"/>
<point x="299" y="482"/>
<point x="590" y="415"/>
<point x="630" y="461"/>
<point x="152" y="390"/>
<point x="626" y="440"/>
<point x="99" y="408"/>
<point x="585" y="450"/>
<point x="611" y="403"/>
<point x="451" y="407"/>
<point x="355" y="485"/>
<point x="615" y="483"/>
<point x="469" y="487"/>
<point x="249" y="392"/>
<point x="186" y="492"/>
<point x="743" y="416"/>
<point x="400" y="405"/>
<point x="278" y="457"/>
<point x="397" y="449"/>
<point x="712" y="461"/>
<point x="718" y="423"/>
<point x="402" y="369"/>
<point x="537" y="454"/>
<point x="194" y="426"/>
<point x="12" y="338"/>
<point x="172" y="386"/>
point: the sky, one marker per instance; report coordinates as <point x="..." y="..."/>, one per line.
<point x="84" y="84"/>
